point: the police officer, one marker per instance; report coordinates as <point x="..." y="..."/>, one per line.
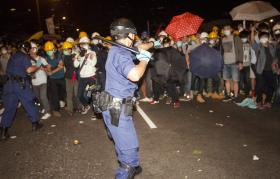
<point x="121" y="77"/>
<point x="18" y="88"/>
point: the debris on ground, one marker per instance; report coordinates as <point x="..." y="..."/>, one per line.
<point x="255" y="157"/>
<point x="197" y="152"/>
<point x="211" y="111"/>
<point x="81" y="122"/>
<point x="245" y="145"/>
<point x="53" y="125"/>
<point x="218" y="124"/>
<point x="13" y="137"/>
<point x="76" y="142"/>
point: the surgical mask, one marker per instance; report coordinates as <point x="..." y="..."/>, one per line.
<point x="179" y="44"/>
<point x="86" y="46"/>
<point x="50" y="53"/>
<point x="264" y="40"/>
<point x="203" y="41"/>
<point x="212" y="41"/>
<point x="95" y="41"/>
<point x="66" y="52"/>
<point x="244" y="40"/>
<point x="227" y="32"/>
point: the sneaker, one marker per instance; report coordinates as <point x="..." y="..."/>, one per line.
<point x="216" y="96"/>
<point x="42" y="111"/>
<point x="56" y="114"/>
<point x="176" y="105"/>
<point x="86" y="109"/>
<point x="46" y="116"/>
<point x="61" y="104"/>
<point x="168" y="100"/>
<point x="154" y="102"/>
<point x="185" y="98"/>
<point x="227" y="99"/>
<point x="200" y="99"/>
<point x="146" y="100"/>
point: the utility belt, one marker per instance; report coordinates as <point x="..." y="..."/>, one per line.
<point x="103" y="101"/>
<point x="23" y="81"/>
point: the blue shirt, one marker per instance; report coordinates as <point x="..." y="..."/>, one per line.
<point x="54" y="63"/>
<point x="18" y="64"/>
<point x="118" y="65"/>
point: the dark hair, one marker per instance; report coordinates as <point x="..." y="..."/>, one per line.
<point x="261" y="34"/>
<point x="244" y="34"/>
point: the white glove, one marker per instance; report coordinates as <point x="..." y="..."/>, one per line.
<point x="144" y="55"/>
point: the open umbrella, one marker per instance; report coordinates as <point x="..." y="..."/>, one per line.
<point x="36" y="36"/>
<point x="183" y="25"/>
<point x="205" y="61"/>
<point x="254" y="11"/>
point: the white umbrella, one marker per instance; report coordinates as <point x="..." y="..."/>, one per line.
<point x="254" y="11"/>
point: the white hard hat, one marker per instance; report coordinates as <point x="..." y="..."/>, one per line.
<point x="162" y="33"/>
<point x="203" y="35"/>
<point x="70" y="39"/>
<point x="152" y="39"/>
<point x="84" y="40"/>
<point x="95" y="34"/>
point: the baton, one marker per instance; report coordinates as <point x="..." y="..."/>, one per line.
<point x="117" y="44"/>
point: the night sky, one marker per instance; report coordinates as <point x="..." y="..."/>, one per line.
<point x="96" y="15"/>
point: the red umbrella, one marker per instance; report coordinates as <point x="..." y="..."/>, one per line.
<point x="183" y="25"/>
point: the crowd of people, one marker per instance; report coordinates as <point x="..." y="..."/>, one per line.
<point x="68" y="69"/>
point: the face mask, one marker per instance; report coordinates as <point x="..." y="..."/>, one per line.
<point x="227" y="32"/>
<point x="50" y="53"/>
<point x="66" y="52"/>
<point x="86" y="46"/>
<point x="203" y="41"/>
<point x="212" y="41"/>
<point x="264" y="40"/>
<point x="95" y="41"/>
<point x="179" y="44"/>
<point x="244" y="40"/>
<point x="4" y="51"/>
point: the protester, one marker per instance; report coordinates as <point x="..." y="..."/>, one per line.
<point x="56" y="81"/>
<point x="39" y="80"/>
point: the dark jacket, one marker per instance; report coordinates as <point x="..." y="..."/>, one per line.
<point x="69" y="65"/>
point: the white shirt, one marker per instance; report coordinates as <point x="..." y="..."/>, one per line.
<point x="88" y="70"/>
<point x="40" y="75"/>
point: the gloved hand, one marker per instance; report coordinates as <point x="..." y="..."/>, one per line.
<point x="157" y="43"/>
<point x="144" y="55"/>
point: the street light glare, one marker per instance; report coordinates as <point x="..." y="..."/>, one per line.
<point x="77" y="30"/>
<point x="271" y="20"/>
<point x="13" y="9"/>
<point x="63" y="18"/>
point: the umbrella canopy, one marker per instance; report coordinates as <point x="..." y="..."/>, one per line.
<point x="36" y="36"/>
<point x="183" y="25"/>
<point x="254" y="11"/>
<point x="205" y="61"/>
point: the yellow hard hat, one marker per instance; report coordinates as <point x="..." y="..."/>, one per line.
<point x="49" y="46"/>
<point x="222" y="33"/>
<point x="193" y="38"/>
<point x="66" y="45"/>
<point x="82" y="34"/>
<point x="108" y="38"/>
<point x="137" y="37"/>
<point x="215" y="29"/>
<point x="213" y="35"/>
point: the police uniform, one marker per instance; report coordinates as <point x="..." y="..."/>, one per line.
<point x="118" y="65"/>
<point x="18" y="88"/>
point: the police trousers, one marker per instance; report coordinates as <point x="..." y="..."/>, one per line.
<point x="125" y="140"/>
<point x="13" y="93"/>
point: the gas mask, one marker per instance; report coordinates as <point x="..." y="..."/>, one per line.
<point x="244" y="40"/>
<point x="212" y="41"/>
<point x="264" y="40"/>
<point x="50" y="53"/>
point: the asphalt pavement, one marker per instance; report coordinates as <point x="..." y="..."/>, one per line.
<point x="196" y="141"/>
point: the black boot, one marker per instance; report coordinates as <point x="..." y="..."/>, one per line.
<point x="4" y="133"/>
<point x="132" y="171"/>
<point x="36" y="126"/>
